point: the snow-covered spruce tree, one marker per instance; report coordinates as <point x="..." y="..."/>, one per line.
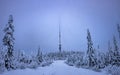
<point x="33" y="63"/>
<point x="21" y="60"/>
<point x="116" y="49"/>
<point x="118" y="28"/>
<point x="110" y="53"/>
<point x="116" y="59"/>
<point x="39" y="56"/>
<point x="91" y="58"/>
<point x="8" y="42"/>
<point x="101" y="60"/>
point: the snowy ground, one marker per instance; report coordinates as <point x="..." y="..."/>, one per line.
<point x="57" y="68"/>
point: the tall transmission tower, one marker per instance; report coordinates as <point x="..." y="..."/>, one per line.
<point x="60" y="36"/>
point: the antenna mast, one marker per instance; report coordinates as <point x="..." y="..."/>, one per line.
<point x="59" y="36"/>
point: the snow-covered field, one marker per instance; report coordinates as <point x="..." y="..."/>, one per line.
<point x="56" y="68"/>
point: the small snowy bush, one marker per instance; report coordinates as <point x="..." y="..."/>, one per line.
<point x="33" y="65"/>
<point x="46" y="63"/>
<point x="75" y="59"/>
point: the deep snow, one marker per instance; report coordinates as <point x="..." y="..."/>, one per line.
<point x="56" y="68"/>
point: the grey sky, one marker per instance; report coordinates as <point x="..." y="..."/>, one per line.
<point x="36" y="22"/>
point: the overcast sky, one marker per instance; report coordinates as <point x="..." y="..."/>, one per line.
<point x="36" y="23"/>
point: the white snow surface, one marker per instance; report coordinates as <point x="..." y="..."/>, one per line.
<point x="56" y="68"/>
